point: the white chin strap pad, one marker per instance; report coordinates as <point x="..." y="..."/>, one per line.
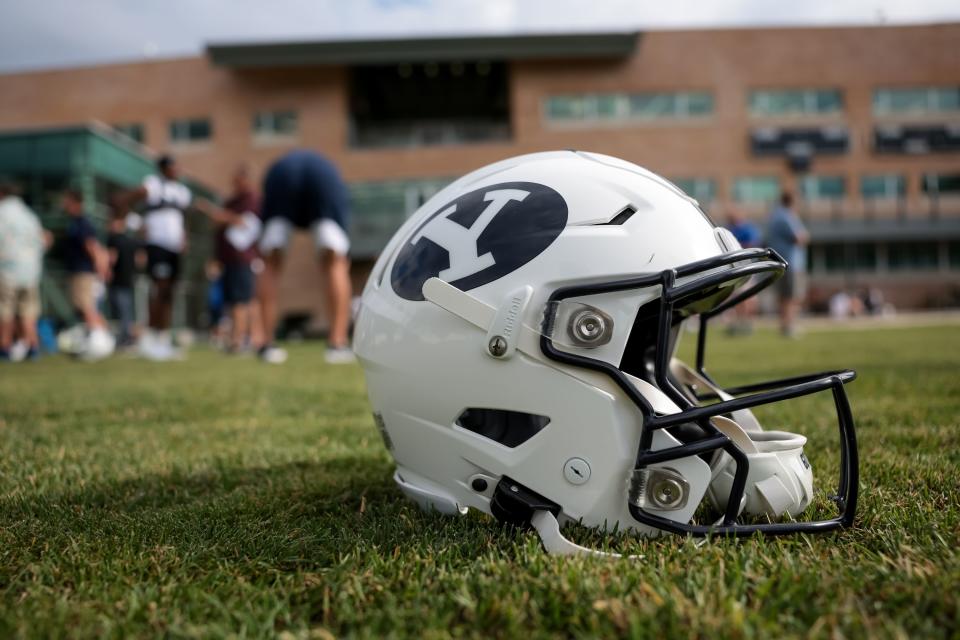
<point x="780" y="479"/>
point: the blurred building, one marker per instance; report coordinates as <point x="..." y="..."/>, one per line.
<point x="863" y="123"/>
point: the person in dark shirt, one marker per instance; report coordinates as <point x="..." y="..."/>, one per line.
<point x="238" y="228"/>
<point x="126" y="254"/>
<point x="86" y="262"/>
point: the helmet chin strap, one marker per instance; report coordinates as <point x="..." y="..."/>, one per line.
<point x="554" y="542"/>
<point x="779" y="479"/>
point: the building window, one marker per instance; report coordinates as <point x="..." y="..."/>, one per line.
<point x="953" y="254"/>
<point x="822" y="187"/>
<point x="627" y="107"/>
<point x="275" y="124"/>
<point x="916" y="100"/>
<point x="133" y="130"/>
<point x="881" y="187"/>
<point x="379" y="208"/>
<point x="913" y="256"/>
<point x="795" y="102"/>
<point x="941" y="184"/>
<point x="413" y="105"/>
<point x="857" y="256"/>
<point x="700" y="189"/>
<point x="191" y="130"/>
<point x="756" y="189"/>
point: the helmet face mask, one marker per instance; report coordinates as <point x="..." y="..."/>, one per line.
<point x="552" y="391"/>
<point x="761" y="473"/>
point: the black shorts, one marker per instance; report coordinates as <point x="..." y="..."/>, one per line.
<point x="238" y="280"/>
<point x="162" y="264"/>
<point x="304" y="187"/>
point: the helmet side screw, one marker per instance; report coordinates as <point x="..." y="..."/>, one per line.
<point x="497" y="346"/>
<point x="590" y="328"/>
<point x="667" y="493"/>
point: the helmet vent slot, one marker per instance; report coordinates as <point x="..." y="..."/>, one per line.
<point x="621" y="217"/>
<point x="509" y="428"/>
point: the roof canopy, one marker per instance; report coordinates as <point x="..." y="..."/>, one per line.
<point x="346" y="52"/>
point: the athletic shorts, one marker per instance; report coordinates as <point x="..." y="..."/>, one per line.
<point x="238" y="283"/>
<point x="303" y="190"/>
<point x="162" y="264"/>
<point x="792" y="285"/>
<point x="18" y="301"/>
<point x="83" y="290"/>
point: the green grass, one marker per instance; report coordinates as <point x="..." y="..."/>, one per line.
<point x="220" y="497"/>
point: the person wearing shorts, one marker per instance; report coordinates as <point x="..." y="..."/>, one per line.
<point x="238" y="227"/>
<point x="86" y="262"/>
<point x="22" y="243"/>
<point x="787" y="236"/>
<point x="303" y="190"/>
<point x="165" y="237"/>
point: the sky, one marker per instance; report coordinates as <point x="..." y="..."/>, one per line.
<point x="38" y="34"/>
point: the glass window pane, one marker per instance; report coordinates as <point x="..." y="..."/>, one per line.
<point x="917" y="100"/>
<point x="756" y="189"/>
<point x="882" y="186"/>
<point x="902" y="256"/>
<point x="953" y="253"/>
<point x="941" y="183"/>
<point x="191" y="130"/>
<point x="828" y="101"/>
<point x="699" y="103"/>
<point x="833" y="257"/>
<point x="275" y="123"/>
<point x="564" y="108"/>
<point x="822" y="187"/>
<point x="704" y="190"/>
<point x="651" y="105"/>
<point x="199" y="129"/>
<point x="776" y="102"/>
<point x="606" y="106"/>
<point x="949" y="99"/>
<point x="640" y="106"/>
<point x="285" y="122"/>
<point x="909" y="100"/>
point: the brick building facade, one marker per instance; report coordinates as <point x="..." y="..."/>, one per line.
<point x="862" y="122"/>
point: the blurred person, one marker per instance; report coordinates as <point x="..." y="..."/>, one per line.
<point x="238" y="228"/>
<point x="126" y="257"/>
<point x="165" y="237"/>
<point x="873" y="301"/>
<point x="748" y="235"/>
<point x="787" y="236"/>
<point x="304" y="190"/>
<point x="88" y="265"/>
<point x="214" y="274"/>
<point x="22" y="243"/>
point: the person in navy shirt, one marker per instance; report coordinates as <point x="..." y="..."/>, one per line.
<point x="88" y="265"/>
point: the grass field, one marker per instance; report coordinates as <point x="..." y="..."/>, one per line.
<point x="220" y="497"/>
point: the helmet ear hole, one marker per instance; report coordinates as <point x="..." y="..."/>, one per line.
<point x="509" y="428"/>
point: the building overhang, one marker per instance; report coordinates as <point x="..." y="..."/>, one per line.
<point x="919" y="228"/>
<point x="610" y="45"/>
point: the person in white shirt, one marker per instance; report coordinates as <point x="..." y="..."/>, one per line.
<point x="166" y="200"/>
<point x="22" y="243"/>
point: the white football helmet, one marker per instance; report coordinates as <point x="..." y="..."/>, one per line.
<point x="518" y="337"/>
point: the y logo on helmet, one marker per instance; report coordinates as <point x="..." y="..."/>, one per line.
<point x="480" y="237"/>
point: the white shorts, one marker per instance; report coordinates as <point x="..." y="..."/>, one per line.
<point x="326" y="233"/>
